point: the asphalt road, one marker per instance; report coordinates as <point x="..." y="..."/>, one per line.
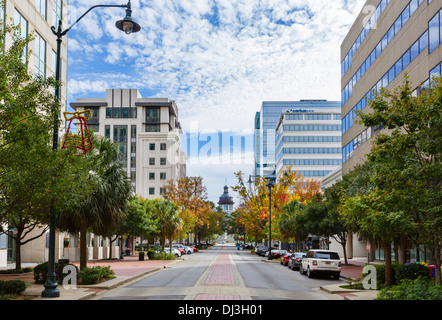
<point x="224" y="273"/>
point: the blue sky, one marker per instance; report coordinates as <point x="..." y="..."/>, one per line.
<point x="218" y="59"/>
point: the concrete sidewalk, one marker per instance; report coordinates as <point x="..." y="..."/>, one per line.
<point x="126" y="270"/>
<point x="130" y="268"/>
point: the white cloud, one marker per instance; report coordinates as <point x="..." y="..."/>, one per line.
<point x="218" y="59"/>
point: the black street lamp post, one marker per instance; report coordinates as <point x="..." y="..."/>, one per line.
<point x="128" y="25"/>
<point x="270" y="185"/>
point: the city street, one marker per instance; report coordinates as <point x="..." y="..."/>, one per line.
<point x="224" y="273"/>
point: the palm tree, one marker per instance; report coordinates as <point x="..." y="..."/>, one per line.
<point x="104" y="208"/>
<point x="288" y="225"/>
<point x="169" y="222"/>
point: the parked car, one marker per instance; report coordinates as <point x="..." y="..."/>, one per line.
<point x="321" y="261"/>
<point x="276" y="253"/>
<point x="285" y="258"/>
<point x="175" y="251"/>
<point x="261" y="251"/>
<point x="179" y="247"/>
<point x="295" y="260"/>
<point x="188" y="250"/>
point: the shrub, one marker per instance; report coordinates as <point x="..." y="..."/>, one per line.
<point x="150" y="253"/>
<point x="41" y="272"/>
<point x="12" y="287"/>
<point x="95" y="274"/>
<point x="400" y="272"/>
<point x="410" y="271"/>
<point x="422" y="288"/>
<point x="380" y="273"/>
<point x="14" y="271"/>
<point x="163" y="256"/>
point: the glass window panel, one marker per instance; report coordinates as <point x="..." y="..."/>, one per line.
<point x="397" y="25"/>
<point x="19" y="20"/>
<point x="40" y="56"/>
<point x="56" y="12"/>
<point x="378" y="49"/>
<point x="414" y="4"/>
<point x="406" y="59"/>
<point x="433" y="31"/>
<point x="398" y="67"/>
<point x="405" y="15"/>
<point x="423" y="41"/>
<point x="391" y="75"/>
<point x="40" y="5"/>
<point x="415" y="50"/>
<point x="384" y="42"/>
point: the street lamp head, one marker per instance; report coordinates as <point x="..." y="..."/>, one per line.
<point x="128" y="25"/>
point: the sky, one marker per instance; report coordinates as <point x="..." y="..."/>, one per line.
<point x="218" y="60"/>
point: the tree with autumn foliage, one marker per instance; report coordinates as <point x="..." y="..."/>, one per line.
<point x="190" y="194"/>
<point x="255" y="201"/>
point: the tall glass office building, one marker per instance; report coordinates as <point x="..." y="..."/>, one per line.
<point x="308" y="139"/>
<point x="400" y="37"/>
<point x="267" y="120"/>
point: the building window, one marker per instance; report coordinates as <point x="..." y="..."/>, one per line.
<point x="162" y="146"/>
<point x="23" y="23"/>
<point x="40" y="56"/>
<point x="107" y="131"/>
<point x="163" y="161"/>
<point x="152" y="115"/>
<point x="56" y="12"/>
<point x="434" y="29"/>
<point x="120" y="136"/>
<point x="152" y="146"/>
<point x="162" y="176"/>
<point x="151" y="175"/>
<point x="161" y="191"/>
<point x="152" y="161"/>
<point x="133" y="152"/>
<point x="153" y="119"/>
<point x="151" y="191"/>
<point x="40" y="5"/>
<point x="121" y="113"/>
<point x="153" y="128"/>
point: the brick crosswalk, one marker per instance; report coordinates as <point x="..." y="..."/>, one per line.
<point x="221" y="274"/>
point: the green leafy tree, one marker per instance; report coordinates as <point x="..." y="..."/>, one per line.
<point x="292" y="223"/>
<point x="166" y="213"/>
<point x="33" y="176"/>
<point x="406" y="161"/>
<point x="139" y="220"/>
<point x="105" y="207"/>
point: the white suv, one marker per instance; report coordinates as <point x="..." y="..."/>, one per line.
<point x="321" y="261"/>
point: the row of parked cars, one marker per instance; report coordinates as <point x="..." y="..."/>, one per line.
<point x="314" y="261"/>
<point x="179" y="250"/>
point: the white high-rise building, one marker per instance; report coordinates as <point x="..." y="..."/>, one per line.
<point x="148" y="133"/>
<point x="308" y="138"/>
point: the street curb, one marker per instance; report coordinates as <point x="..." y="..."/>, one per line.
<point x="82" y="291"/>
<point x="118" y="281"/>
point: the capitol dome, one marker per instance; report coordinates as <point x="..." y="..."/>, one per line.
<point x="226" y="201"/>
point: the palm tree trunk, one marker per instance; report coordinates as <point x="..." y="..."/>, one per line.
<point x="110" y="248"/>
